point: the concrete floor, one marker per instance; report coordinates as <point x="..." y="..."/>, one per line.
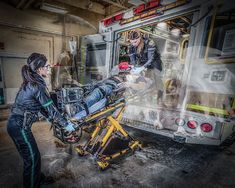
<point x="162" y="163"/>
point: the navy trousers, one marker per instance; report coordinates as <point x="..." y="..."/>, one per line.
<point x="28" y="149"/>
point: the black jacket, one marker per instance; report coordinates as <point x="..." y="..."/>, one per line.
<point x="148" y="57"/>
<point x="35" y="98"/>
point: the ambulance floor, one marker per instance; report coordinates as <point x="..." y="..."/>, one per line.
<point x="162" y="163"/>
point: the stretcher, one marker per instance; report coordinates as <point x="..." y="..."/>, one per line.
<point x="108" y="140"/>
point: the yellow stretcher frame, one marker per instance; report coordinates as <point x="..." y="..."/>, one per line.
<point x="112" y="125"/>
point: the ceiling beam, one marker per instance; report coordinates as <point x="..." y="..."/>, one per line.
<point x="185" y="19"/>
<point x="21" y="2"/>
<point x="116" y="4"/>
<point x="28" y="4"/>
<point x="86" y="5"/>
<point x="91" y="17"/>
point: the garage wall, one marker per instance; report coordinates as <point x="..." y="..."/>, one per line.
<point x="25" y="31"/>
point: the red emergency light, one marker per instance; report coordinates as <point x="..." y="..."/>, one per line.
<point x="108" y="22"/>
<point x="139" y="9"/>
<point x="113" y="19"/>
<point x="152" y="4"/>
<point x="143" y="7"/>
<point x="118" y="17"/>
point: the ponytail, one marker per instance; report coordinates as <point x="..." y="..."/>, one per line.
<point x="29" y="71"/>
<point x="27" y="76"/>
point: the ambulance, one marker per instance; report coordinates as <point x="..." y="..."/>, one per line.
<point x="196" y="40"/>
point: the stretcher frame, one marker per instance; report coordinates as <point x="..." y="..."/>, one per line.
<point x="106" y="122"/>
<point x="107" y="126"/>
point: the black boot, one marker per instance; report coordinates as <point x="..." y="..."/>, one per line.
<point x="45" y="180"/>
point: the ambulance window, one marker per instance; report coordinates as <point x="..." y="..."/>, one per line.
<point x="96" y="54"/>
<point x="219" y="38"/>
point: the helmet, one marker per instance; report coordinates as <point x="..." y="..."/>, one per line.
<point x="124" y="67"/>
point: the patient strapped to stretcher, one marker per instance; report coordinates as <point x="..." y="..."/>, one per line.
<point x="98" y="96"/>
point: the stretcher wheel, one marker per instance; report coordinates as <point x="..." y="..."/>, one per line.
<point x="102" y="165"/>
<point x="135" y="146"/>
<point x="80" y="150"/>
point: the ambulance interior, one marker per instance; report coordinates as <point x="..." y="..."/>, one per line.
<point x="171" y="38"/>
<point x="213" y="91"/>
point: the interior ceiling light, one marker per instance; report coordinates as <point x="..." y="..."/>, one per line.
<point x="162" y="25"/>
<point x="175" y="32"/>
<point x="185" y="35"/>
<point x="53" y="8"/>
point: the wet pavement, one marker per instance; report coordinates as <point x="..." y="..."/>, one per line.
<point x="161" y="163"/>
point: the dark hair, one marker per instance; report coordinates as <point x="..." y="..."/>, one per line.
<point x="135" y="34"/>
<point x="29" y="71"/>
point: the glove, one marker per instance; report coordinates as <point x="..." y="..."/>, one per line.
<point x="69" y="127"/>
<point x="137" y="70"/>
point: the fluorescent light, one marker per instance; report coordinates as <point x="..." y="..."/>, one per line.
<point x="53" y="8"/>
<point x="175" y="32"/>
<point x="162" y="25"/>
<point x="185" y="35"/>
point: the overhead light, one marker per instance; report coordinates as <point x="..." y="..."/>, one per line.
<point x="185" y="35"/>
<point x="53" y="8"/>
<point x="162" y="25"/>
<point x="175" y="32"/>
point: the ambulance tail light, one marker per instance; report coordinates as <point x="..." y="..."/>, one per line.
<point x="192" y="124"/>
<point x="206" y="127"/>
